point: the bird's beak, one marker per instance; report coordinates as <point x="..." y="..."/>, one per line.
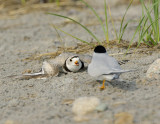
<point x="76" y="63"/>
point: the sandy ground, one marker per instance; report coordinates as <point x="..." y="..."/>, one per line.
<point x="38" y="101"/>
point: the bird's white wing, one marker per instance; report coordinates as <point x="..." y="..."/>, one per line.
<point x="103" y="64"/>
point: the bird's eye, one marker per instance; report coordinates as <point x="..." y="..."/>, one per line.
<point x="70" y="60"/>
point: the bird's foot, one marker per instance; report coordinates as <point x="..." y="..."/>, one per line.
<point x="102" y="87"/>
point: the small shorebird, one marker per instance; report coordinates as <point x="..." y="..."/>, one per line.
<point x="104" y="67"/>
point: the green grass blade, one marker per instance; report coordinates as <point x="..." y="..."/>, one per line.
<point x="50" y="1"/>
<point x="124" y="17"/>
<point x="156" y="15"/>
<point x="123" y="30"/>
<point x="106" y="19"/>
<point x="59" y="37"/>
<point x="72" y="35"/>
<point x="112" y="22"/>
<point x="145" y="43"/>
<point x="144" y="33"/>
<point x="144" y="24"/>
<point x="78" y="24"/>
<point x="95" y="13"/>
<point x="23" y="2"/>
<point x="148" y="14"/>
<point x="137" y="29"/>
<point x="57" y="2"/>
<point x="143" y="27"/>
<point x="152" y="40"/>
<point x="154" y="27"/>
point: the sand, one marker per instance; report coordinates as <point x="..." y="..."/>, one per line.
<point x="38" y="101"/>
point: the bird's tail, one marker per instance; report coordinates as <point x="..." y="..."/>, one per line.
<point x="123" y="71"/>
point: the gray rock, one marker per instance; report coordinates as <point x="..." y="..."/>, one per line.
<point x="154" y="70"/>
<point x="84" y="105"/>
<point x="102" y="107"/>
<point x="13" y="103"/>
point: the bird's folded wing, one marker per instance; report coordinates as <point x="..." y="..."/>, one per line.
<point x="115" y="71"/>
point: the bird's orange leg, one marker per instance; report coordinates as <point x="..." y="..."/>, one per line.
<point x="103" y="85"/>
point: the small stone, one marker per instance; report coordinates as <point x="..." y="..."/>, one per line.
<point x="145" y="122"/>
<point x="84" y="105"/>
<point x="81" y="118"/>
<point x="102" y="107"/>
<point x="27" y="71"/>
<point x="123" y="118"/>
<point x="13" y="103"/>
<point x="68" y="101"/>
<point x="141" y="81"/>
<point x="116" y="104"/>
<point x="154" y="70"/>
<point x="11" y="122"/>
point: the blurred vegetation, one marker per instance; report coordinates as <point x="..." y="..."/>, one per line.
<point x="19" y="7"/>
<point x="8" y="3"/>
<point x="104" y="26"/>
<point x="148" y="26"/>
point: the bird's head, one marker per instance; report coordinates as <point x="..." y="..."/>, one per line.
<point x="73" y="64"/>
<point x="99" y="49"/>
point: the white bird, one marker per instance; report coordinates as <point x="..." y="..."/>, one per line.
<point x="104" y="67"/>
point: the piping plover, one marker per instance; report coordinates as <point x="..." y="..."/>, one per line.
<point x="104" y="67"/>
<point x="62" y="63"/>
<point x="73" y="64"/>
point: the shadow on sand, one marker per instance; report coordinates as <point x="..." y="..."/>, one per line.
<point x="124" y="85"/>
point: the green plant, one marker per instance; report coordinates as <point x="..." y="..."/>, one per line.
<point x="148" y="26"/>
<point x="112" y="22"/>
<point x="50" y="1"/>
<point x="104" y="27"/>
<point x="23" y="2"/>
<point x="78" y="24"/>
<point x="69" y="34"/>
<point x="90" y="32"/>
<point x="123" y="28"/>
<point x="106" y="21"/>
<point x="58" y="2"/>
<point x="99" y="19"/>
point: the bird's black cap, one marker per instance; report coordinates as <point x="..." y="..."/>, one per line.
<point x="99" y="49"/>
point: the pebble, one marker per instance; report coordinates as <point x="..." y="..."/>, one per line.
<point x="84" y="105"/>
<point x="102" y="107"/>
<point x="11" y="122"/>
<point x="154" y="70"/>
<point x="13" y="103"/>
<point x="123" y="118"/>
